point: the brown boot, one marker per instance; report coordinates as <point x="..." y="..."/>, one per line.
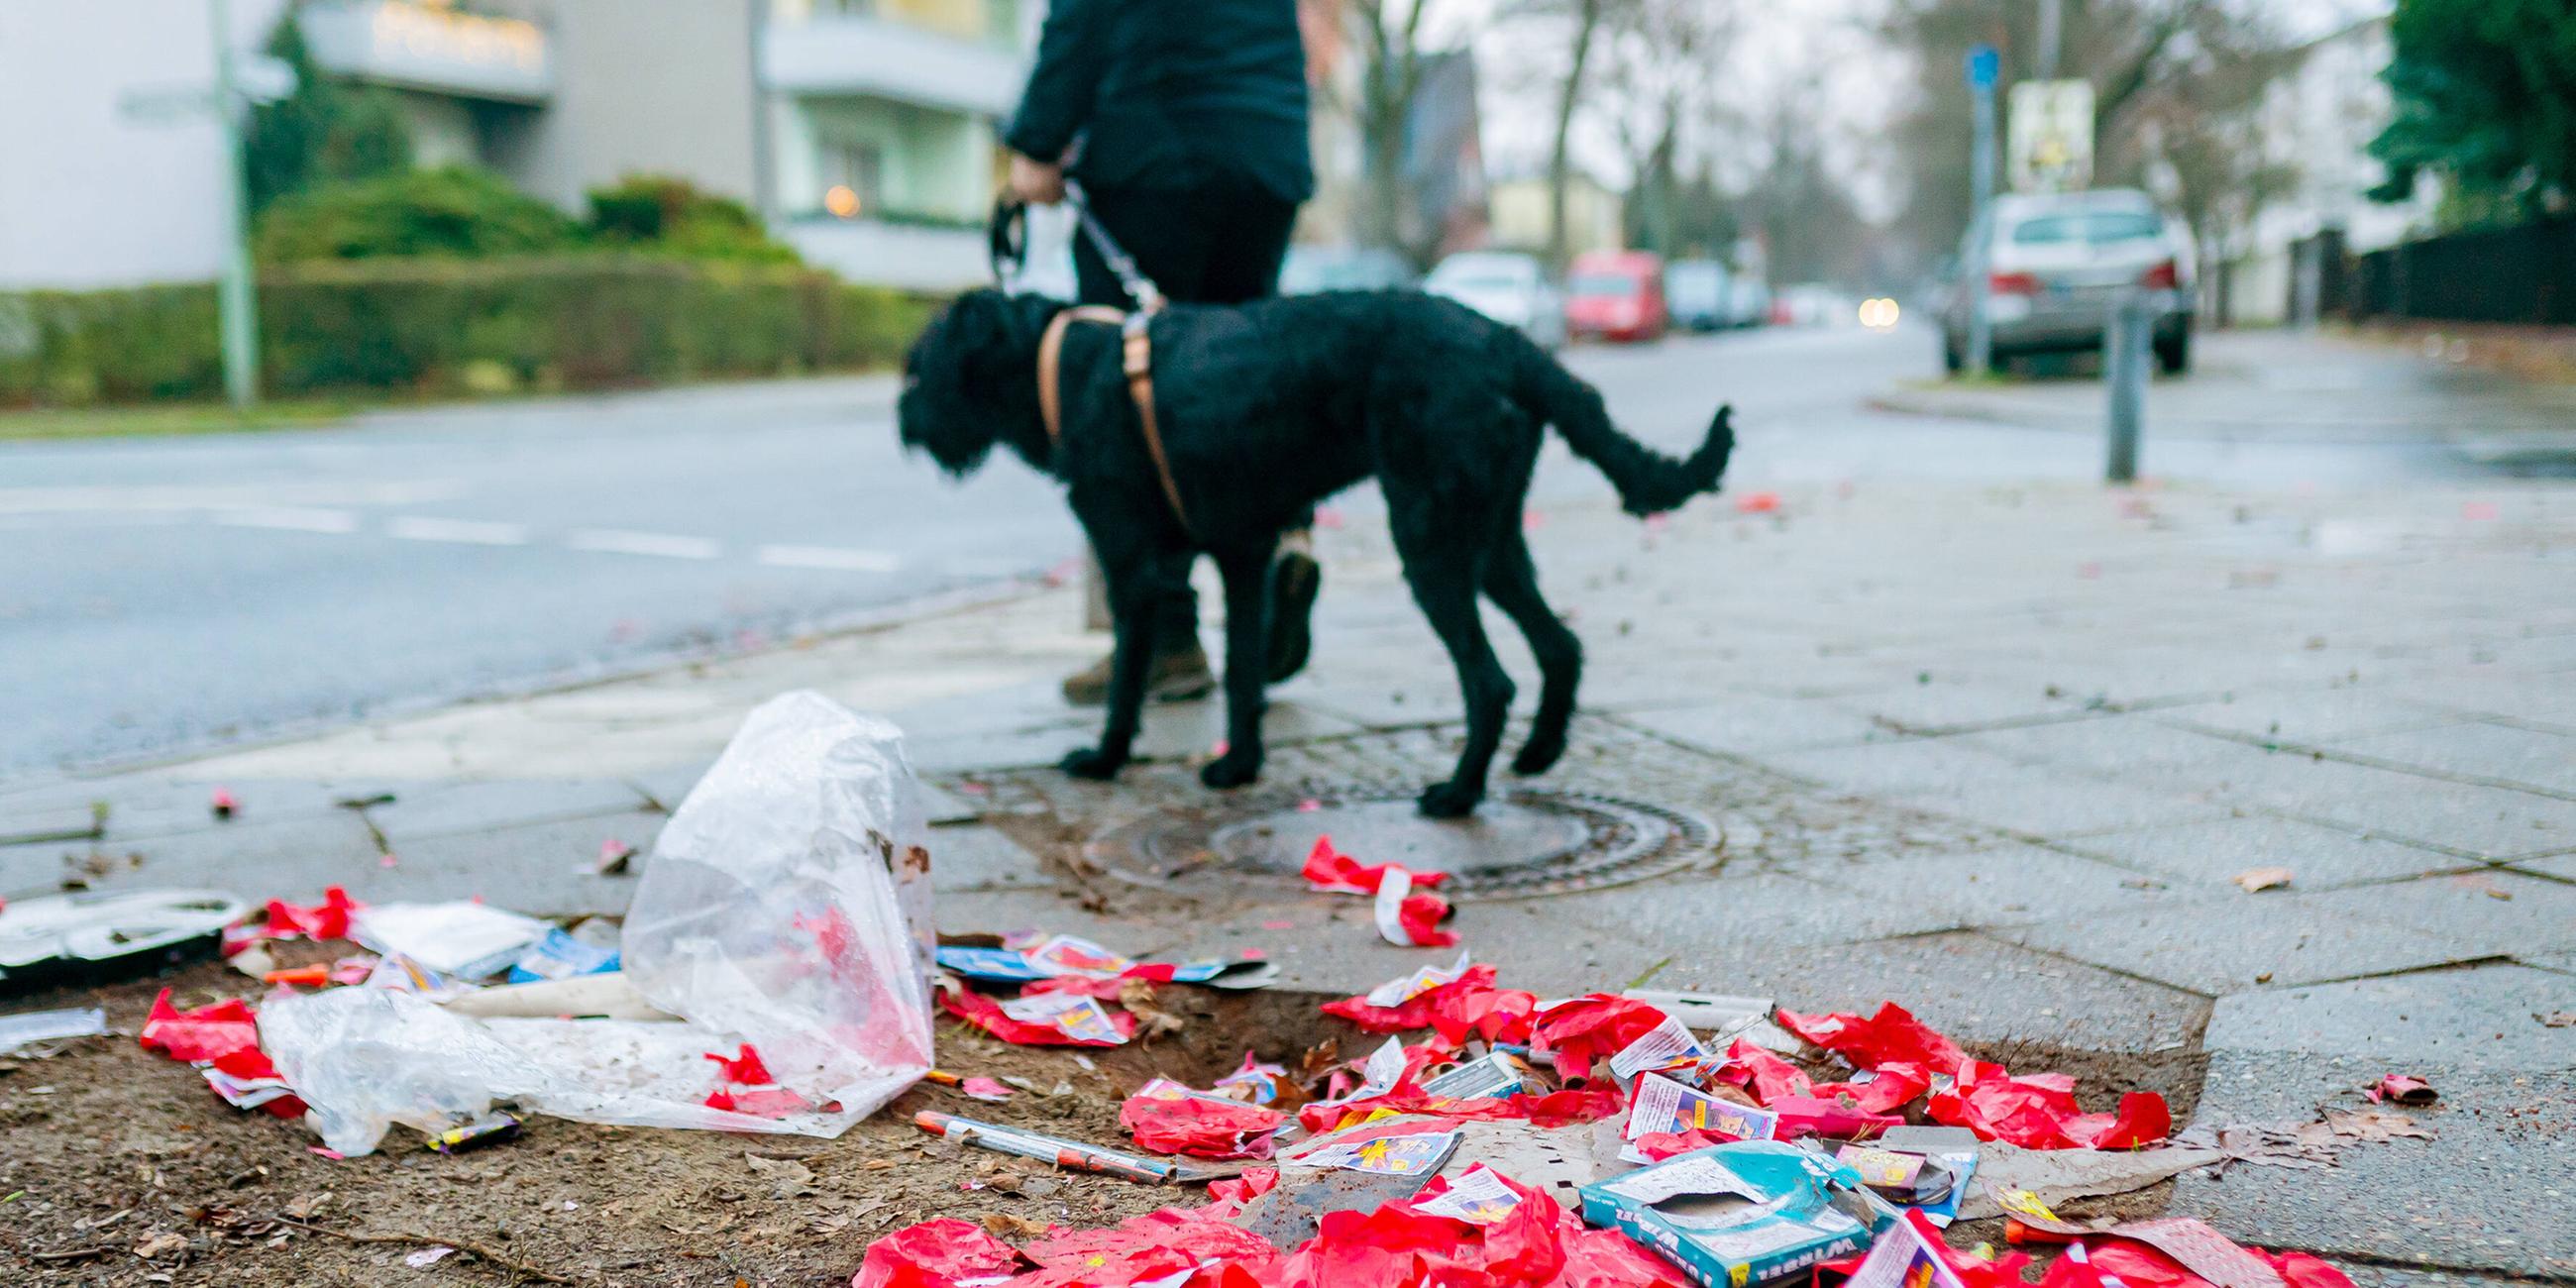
<point x="1177" y="675"/>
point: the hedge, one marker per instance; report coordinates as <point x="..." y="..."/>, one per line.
<point x="448" y="326"/>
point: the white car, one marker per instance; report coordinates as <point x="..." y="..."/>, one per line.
<point x="1509" y="288"/>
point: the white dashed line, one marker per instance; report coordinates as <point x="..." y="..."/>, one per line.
<point x="831" y="557"/>
<point x="289" y="519"/>
<point x="659" y="544"/>
<point x="470" y="531"/>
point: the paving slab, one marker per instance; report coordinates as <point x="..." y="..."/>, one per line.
<point x="2473" y="1015"/>
<point x="2373" y="1276"/>
<point x="977" y="857"/>
<point x="2489" y="1193"/>
<point x="2213" y="852"/>
<point x="2053" y="804"/>
<point x="2110" y="745"/>
<point x="1753" y="723"/>
<point x="2226" y="944"/>
<point x="2498" y="913"/>
<point x="1972" y="986"/>
<point x="422" y="811"/>
<point x="542" y="869"/>
<point x="2007" y="884"/>
<point x="2534" y="757"/>
<point x="1679" y="916"/>
<point x="2561" y="866"/>
<point x="2312" y="715"/>
<point x="2467" y="819"/>
<point x="1173" y="730"/>
<point x="257" y="860"/>
<point x="1896" y="768"/>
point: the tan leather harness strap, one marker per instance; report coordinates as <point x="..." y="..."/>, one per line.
<point x="1136" y="349"/>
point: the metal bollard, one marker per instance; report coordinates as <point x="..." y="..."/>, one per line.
<point x="2124" y="369"/>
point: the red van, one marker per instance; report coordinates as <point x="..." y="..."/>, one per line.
<point x="1616" y="295"/>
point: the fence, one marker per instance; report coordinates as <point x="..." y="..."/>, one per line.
<point x="2523" y="275"/>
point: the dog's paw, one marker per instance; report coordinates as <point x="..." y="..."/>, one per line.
<point x="1538" y="756"/>
<point x="1230" y="770"/>
<point x="1449" y="800"/>
<point x="1092" y="763"/>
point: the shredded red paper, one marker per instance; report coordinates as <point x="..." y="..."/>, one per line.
<point x="206" y="1033"/>
<point x="1167" y="1120"/>
<point x="986" y="1014"/>
<point x="2033" y="1111"/>
<point x="328" y="919"/>
<point x="744" y="1070"/>
<point x="1329" y="870"/>
<point x="934" y="1254"/>
<point x="1593" y="1027"/>
<point x="1420" y="916"/>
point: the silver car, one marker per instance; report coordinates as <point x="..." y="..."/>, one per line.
<point x="2056" y="264"/>
<point x="1510" y="288"/>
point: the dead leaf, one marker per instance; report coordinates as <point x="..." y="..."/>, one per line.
<point x="1137" y="996"/>
<point x="2375" y="1125"/>
<point x="786" y="1179"/>
<point x="1016" y="1229"/>
<point x="2256" y="880"/>
<point x="303" y="1206"/>
<point x="2558" y="1019"/>
<point x="160" y="1244"/>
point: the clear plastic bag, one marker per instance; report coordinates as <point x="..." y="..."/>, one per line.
<point x="786" y="905"/>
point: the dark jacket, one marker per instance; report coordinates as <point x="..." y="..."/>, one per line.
<point x="1171" y="94"/>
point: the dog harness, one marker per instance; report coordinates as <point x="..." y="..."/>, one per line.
<point x="1137" y="349"/>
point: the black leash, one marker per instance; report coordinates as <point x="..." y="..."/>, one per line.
<point x="1007" y="243"/>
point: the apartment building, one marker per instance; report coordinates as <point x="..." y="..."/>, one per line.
<point x="862" y="129"/>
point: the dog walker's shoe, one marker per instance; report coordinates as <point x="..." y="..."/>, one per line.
<point x="1179" y="675"/>
<point x="1295" y="580"/>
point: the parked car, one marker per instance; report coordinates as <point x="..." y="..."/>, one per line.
<point x="1701" y="294"/>
<point x="1509" y="288"/>
<point x="1616" y="295"/>
<point x="2057" y="264"/>
<point x="1309" y="269"/>
<point x="1748" y="301"/>
<point x="1813" y="304"/>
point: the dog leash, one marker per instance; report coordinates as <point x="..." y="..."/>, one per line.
<point x="1008" y="245"/>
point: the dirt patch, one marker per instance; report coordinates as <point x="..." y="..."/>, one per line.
<point x="112" y="1149"/>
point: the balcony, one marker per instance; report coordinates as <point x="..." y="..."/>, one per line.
<point x="829" y="54"/>
<point x="439" y="50"/>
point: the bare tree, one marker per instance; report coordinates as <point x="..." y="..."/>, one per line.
<point x="1659" y="75"/>
<point x="1388" y="35"/>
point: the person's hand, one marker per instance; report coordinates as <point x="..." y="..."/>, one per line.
<point x="1036" y="182"/>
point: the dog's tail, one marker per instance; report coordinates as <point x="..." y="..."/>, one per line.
<point x="1649" y="482"/>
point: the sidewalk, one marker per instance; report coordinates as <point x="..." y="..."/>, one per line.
<point x="2289" y="387"/>
<point x="1994" y="753"/>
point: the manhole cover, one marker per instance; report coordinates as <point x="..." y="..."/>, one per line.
<point x="1519" y="844"/>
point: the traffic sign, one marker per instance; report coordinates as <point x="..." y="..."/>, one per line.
<point x="1985" y="66"/>
<point x="2050" y="136"/>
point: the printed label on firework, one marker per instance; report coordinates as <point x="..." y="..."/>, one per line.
<point x="1663" y="1046"/>
<point x="1397" y="992"/>
<point x="1066" y="955"/>
<point x="1665" y="1107"/>
<point x="1490" y="1078"/>
<point x="1080" y="1018"/>
<point x="1476" y="1196"/>
<point x="1416" y="1155"/>
<point x="1881" y="1167"/>
<point x="1901" y="1259"/>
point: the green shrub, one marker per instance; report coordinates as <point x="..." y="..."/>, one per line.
<point x="453" y="326"/>
<point x="657" y="214"/>
<point x="456" y="212"/>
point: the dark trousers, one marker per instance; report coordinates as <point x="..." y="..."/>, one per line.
<point x="1218" y="242"/>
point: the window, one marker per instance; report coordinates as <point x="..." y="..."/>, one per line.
<point x="2094" y="227"/>
<point x="853" y="179"/>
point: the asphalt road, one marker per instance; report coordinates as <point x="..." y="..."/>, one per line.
<point x="162" y="595"/>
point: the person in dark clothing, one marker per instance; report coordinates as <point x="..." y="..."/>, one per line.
<point x="1185" y="120"/>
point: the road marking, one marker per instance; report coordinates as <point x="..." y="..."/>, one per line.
<point x="473" y="532"/>
<point x="832" y="557"/>
<point x="659" y="544"/>
<point x="289" y="519"/>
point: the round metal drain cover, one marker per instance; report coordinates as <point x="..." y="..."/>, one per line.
<point x="1519" y="844"/>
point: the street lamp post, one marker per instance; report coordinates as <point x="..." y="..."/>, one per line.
<point x="237" y="309"/>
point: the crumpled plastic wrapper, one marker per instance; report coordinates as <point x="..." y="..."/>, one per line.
<point x="786" y="905"/>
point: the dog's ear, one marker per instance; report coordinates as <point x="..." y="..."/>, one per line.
<point x="955" y="374"/>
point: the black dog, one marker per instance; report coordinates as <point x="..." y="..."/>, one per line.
<point x="1266" y="409"/>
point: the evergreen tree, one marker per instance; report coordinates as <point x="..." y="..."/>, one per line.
<point x="324" y="132"/>
<point x="2486" y="96"/>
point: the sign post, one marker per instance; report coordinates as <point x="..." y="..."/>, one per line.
<point x="1984" y="67"/>
<point x="236" y="306"/>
